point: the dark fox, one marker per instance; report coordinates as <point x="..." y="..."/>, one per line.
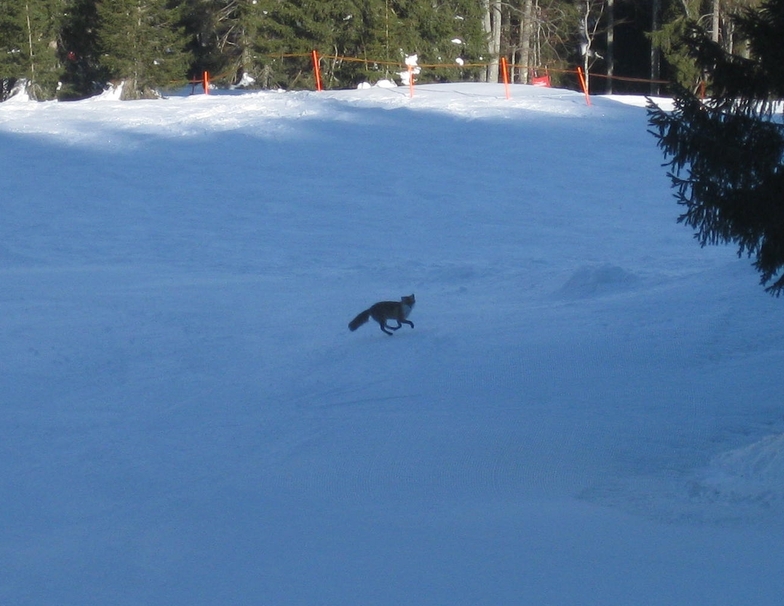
<point x="386" y="310"/>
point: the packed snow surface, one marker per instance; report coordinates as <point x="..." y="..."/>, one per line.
<point x="588" y="410"/>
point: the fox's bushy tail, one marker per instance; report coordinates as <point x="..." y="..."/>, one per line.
<point x="359" y="320"/>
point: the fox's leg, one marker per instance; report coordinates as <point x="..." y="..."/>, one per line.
<point x="384" y="327"/>
<point x="399" y="324"/>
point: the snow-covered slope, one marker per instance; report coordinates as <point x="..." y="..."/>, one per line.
<point x="588" y="410"/>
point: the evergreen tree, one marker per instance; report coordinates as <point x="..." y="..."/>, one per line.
<point x="384" y="32"/>
<point x="28" y="44"/>
<point x="223" y="36"/>
<point x="11" y="37"/>
<point x="436" y="27"/>
<point x="142" y="44"/>
<point x="359" y="40"/>
<point x="289" y="28"/>
<point x="83" y="75"/>
<point x="730" y="148"/>
<point x="364" y="40"/>
<point x="670" y="40"/>
<point x="356" y="30"/>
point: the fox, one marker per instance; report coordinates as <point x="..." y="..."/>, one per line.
<point x="386" y="310"/>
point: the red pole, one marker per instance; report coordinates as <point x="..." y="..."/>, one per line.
<point x="206" y="82"/>
<point x="505" y="72"/>
<point x="317" y="70"/>
<point x="584" y="85"/>
<point x="411" y="81"/>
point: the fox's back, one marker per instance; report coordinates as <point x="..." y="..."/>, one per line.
<point x="388" y="310"/>
<point x="392" y="310"/>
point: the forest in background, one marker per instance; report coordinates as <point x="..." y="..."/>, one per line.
<point x="71" y="49"/>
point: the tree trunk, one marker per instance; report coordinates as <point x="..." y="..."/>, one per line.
<point x="610" y="57"/>
<point x="526" y="30"/>
<point x="715" y="21"/>
<point x="655" y="53"/>
<point x="487" y="26"/>
<point x="494" y="46"/>
<point x="587" y="40"/>
<point x="31" y="52"/>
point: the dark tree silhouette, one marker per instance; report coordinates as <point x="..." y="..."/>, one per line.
<point x="725" y="152"/>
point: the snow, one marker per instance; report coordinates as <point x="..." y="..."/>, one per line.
<point x="413" y="70"/>
<point x="246" y="81"/>
<point x="587" y="412"/>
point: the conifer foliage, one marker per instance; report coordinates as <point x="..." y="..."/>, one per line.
<point x="726" y="153"/>
<point x="73" y="48"/>
<point x="11" y="36"/>
<point x="83" y="73"/>
<point x="141" y="43"/>
<point x="28" y="46"/>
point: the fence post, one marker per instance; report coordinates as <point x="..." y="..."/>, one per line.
<point x="584" y="85"/>
<point x="317" y="70"/>
<point x="206" y="82"/>
<point x="505" y="72"/>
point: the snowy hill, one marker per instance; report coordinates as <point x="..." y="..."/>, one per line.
<point x="588" y="410"/>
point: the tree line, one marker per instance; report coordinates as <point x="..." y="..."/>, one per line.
<point x="70" y="49"/>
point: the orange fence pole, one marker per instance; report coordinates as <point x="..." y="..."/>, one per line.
<point x="584" y="85"/>
<point x="411" y="81"/>
<point x="505" y="72"/>
<point x="317" y="70"/>
<point x="206" y="82"/>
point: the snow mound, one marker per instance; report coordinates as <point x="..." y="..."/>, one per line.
<point x="754" y="473"/>
<point x="593" y="281"/>
<point x="18" y="93"/>
<point x="112" y="92"/>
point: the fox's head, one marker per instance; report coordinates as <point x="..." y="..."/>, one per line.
<point x="408" y="300"/>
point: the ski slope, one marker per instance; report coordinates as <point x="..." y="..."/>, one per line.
<point x="588" y="411"/>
